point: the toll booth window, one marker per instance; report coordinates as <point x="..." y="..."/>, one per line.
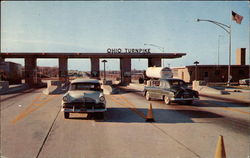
<point x="85" y="86"/>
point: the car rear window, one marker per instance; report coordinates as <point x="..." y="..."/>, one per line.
<point x="178" y="83"/>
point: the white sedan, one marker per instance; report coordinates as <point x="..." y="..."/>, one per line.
<point x="84" y="96"/>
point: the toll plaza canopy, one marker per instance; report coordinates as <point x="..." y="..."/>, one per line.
<point x="30" y="62"/>
<point x="89" y="55"/>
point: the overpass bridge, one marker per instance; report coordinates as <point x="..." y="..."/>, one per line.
<point x="30" y="62"/>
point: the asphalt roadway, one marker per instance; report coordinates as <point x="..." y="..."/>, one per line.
<point x="33" y="126"/>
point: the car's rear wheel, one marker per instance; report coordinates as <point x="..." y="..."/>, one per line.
<point x="147" y="96"/>
<point x="66" y="115"/>
<point x="167" y="100"/>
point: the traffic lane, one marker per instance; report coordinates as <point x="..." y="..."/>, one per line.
<point x="200" y="111"/>
<point x="237" y="114"/>
<point x="125" y="125"/>
<point x="122" y="114"/>
<point x="226" y="108"/>
<point x="201" y="133"/>
<point x="123" y="133"/>
<point x="208" y="124"/>
<point x="24" y="128"/>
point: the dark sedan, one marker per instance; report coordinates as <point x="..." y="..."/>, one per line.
<point x="170" y="90"/>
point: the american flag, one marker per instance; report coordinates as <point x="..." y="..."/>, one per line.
<point x="236" y="17"/>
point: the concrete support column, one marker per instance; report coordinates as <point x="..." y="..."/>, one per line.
<point x="125" y="66"/>
<point x="30" y="71"/>
<point x="95" y="68"/>
<point x="154" y="62"/>
<point x="63" y="69"/>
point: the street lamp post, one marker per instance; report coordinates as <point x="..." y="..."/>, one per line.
<point x="226" y="28"/>
<point x="159" y="47"/>
<point x="219" y="49"/>
<point x="196" y="63"/>
<point x="104" y="62"/>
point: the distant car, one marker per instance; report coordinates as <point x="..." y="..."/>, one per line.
<point x="84" y="96"/>
<point x="170" y="90"/>
<point x="244" y="81"/>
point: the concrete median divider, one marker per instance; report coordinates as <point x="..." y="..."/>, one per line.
<point x="107" y="89"/>
<point x="4" y="85"/>
<point x="55" y="87"/>
<point x="5" y="88"/>
<point x="201" y="87"/>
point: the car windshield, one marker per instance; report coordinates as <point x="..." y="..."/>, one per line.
<point x="85" y="86"/>
<point x="177" y="83"/>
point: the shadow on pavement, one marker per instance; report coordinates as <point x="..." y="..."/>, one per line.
<point x="160" y="115"/>
<point x="217" y="103"/>
<point x="231" y="100"/>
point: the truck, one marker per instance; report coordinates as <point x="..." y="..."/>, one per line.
<point x="156" y="73"/>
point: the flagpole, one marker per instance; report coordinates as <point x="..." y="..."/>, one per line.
<point x="229" y="77"/>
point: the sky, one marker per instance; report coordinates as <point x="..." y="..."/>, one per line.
<point x="95" y="26"/>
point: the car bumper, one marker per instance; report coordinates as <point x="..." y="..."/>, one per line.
<point x="183" y="99"/>
<point x="82" y="110"/>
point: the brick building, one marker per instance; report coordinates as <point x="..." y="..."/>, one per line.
<point x="215" y="73"/>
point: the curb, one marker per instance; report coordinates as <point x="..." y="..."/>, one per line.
<point x="15" y="89"/>
<point x="227" y="99"/>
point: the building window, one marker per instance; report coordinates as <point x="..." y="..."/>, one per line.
<point x="241" y="72"/>
<point x="205" y="74"/>
<point x="217" y="72"/>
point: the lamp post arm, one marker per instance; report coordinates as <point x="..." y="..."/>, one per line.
<point x="219" y="23"/>
<point x="223" y="26"/>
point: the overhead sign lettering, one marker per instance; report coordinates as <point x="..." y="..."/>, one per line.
<point x="128" y="50"/>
